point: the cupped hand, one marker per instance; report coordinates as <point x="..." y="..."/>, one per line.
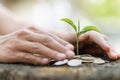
<point x="96" y="43"/>
<point x="34" y="46"/>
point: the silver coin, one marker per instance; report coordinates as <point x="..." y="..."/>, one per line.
<point x="59" y="63"/>
<point x="77" y="57"/>
<point x="87" y="58"/>
<point x="87" y="61"/>
<point x="99" y="61"/>
<point x="74" y="62"/>
<point x="86" y="55"/>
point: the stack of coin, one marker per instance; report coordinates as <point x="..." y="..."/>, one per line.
<point x="77" y="57"/>
<point x="79" y="60"/>
<point x="88" y="55"/>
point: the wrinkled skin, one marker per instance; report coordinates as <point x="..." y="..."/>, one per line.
<point x="34" y="46"/>
<point x="95" y="43"/>
<point x="38" y="46"/>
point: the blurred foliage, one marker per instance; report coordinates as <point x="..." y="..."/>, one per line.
<point x="102" y="13"/>
<point x="101" y="8"/>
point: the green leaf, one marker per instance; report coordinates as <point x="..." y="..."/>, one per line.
<point x="89" y="28"/>
<point x="70" y="22"/>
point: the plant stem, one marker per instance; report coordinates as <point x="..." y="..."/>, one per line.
<point x="77" y="45"/>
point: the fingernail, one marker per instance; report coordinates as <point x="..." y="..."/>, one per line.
<point x="70" y="54"/>
<point x="45" y="60"/>
<point x="61" y="56"/>
<point x="69" y="46"/>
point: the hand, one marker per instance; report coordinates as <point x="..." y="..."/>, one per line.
<point x="34" y="46"/>
<point x="96" y="43"/>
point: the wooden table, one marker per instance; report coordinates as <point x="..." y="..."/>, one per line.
<point x="108" y="71"/>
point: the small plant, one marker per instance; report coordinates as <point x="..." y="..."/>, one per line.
<point x="78" y="31"/>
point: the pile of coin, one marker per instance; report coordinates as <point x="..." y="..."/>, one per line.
<point x="79" y="60"/>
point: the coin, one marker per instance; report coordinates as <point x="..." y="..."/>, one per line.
<point x="84" y="55"/>
<point x="74" y="62"/>
<point x="88" y="61"/>
<point x="87" y="58"/>
<point x="77" y="57"/>
<point x="59" y="63"/>
<point x="99" y="61"/>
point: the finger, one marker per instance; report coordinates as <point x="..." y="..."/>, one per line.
<point x="106" y="45"/>
<point x="31" y="59"/>
<point x="51" y="43"/>
<point x="118" y="55"/>
<point x="25" y="57"/>
<point x="61" y="41"/>
<point x="95" y="37"/>
<point x="108" y="41"/>
<point x="37" y="48"/>
<point x="113" y="54"/>
<point x="110" y="51"/>
<point x="99" y="40"/>
<point x="47" y="41"/>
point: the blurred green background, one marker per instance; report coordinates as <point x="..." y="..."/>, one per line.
<point x="104" y="14"/>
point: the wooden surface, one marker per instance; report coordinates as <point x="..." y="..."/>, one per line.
<point x="108" y="71"/>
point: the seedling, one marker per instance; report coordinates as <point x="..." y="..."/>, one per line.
<point x="78" y="31"/>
